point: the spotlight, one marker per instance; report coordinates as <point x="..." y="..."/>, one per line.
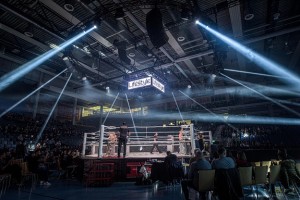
<point x="249" y="16"/>
<point x="185" y="13"/>
<point x="276" y="16"/>
<point x="189" y="86"/>
<point x="69" y="5"/>
<point x="214" y="75"/>
<point x="28" y="31"/>
<point x="107" y="88"/>
<point x="197" y="22"/>
<point x="84" y="78"/>
<point x="119" y="13"/>
<point x="248" y="12"/>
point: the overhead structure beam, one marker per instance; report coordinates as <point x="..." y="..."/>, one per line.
<point x="22" y="36"/>
<point x="72" y="19"/>
<point x="270" y="35"/>
<point x="144" y="30"/>
<point x="5" y="7"/>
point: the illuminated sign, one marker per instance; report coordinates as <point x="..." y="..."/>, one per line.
<point x="139" y="83"/>
<point x="158" y="85"/>
<point x="146" y="82"/>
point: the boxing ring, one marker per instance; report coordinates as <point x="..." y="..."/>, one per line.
<point x="104" y="143"/>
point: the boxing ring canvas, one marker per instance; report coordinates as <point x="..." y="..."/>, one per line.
<point x="104" y="143"/>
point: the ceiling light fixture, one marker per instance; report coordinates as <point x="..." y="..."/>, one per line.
<point x="69" y="5"/>
<point x="185" y="13"/>
<point x="119" y="13"/>
<point x="28" y="31"/>
<point x="180" y="39"/>
<point x="131" y="54"/>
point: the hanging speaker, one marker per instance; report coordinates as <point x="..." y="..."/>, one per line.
<point x="155" y="28"/>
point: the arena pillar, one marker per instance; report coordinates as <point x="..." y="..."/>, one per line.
<point x="100" y="149"/>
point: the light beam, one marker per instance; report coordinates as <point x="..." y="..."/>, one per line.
<point x="253" y="73"/>
<point x="267" y="64"/>
<point x="262" y="95"/>
<point x="177" y="107"/>
<point x="14" y="75"/>
<point x="110" y="108"/>
<point x="51" y="112"/>
<point x="214" y="114"/>
<point x="131" y="114"/>
<point x="23" y="99"/>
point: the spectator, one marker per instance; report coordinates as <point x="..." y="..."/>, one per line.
<point x="289" y="174"/>
<point x="200" y="164"/>
<point x="223" y="162"/>
<point x="241" y="160"/>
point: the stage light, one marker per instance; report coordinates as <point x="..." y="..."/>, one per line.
<point x="213" y="76"/>
<point x="29" y="95"/>
<point x="14" y="75"/>
<point x="265" y="63"/>
<point x="84" y="78"/>
<point x="189" y="86"/>
<point x="264" y="96"/>
<point x="107" y="88"/>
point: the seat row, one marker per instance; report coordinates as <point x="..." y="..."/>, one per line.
<point x="248" y="176"/>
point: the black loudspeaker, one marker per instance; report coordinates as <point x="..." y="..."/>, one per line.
<point x="155" y="28"/>
<point x="122" y="51"/>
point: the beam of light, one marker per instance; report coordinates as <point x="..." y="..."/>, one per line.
<point x="177" y="107"/>
<point x="131" y="115"/>
<point x="23" y="99"/>
<point x="253" y="73"/>
<point x="232" y="119"/>
<point x="262" y="95"/>
<point x="214" y="114"/>
<point x="51" y="112"/>
<point x="288" y="102"/>
<point x="110" y="108"/>
<point x="265" y="63"/>
<point x="14" y="75"/>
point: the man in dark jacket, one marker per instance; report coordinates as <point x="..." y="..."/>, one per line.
<point x="123" y="134"/>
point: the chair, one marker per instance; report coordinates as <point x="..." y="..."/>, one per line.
<point x="298" y="167"/>
<point x="4" y="183"/>
<point x="246" y="176"/>
<point x="27" y="174"/>
<point x="274" y="177"/>
<point x="266" y="163"/>
<point x="206" y="180"/>
<point x="261" y="173"/>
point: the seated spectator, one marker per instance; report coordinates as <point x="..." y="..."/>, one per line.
<point x="200" y="164"/>
<point x="192" y="159"/>
<point x="241" y="160"/>
<point x="289" y="174"/>
<point x="227" y="180"/>
<point x="170" y="159"/>
<point x="223" y="162"/>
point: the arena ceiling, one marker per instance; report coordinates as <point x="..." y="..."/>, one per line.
<point x="190" y="56"/>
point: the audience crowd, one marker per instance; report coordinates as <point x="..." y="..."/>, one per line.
<point x="58" y="149"/>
